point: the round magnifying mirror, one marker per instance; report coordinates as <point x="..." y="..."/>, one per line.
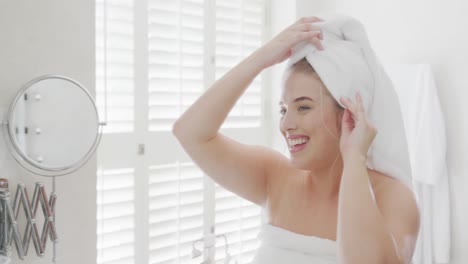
<point x="53" y="126"/>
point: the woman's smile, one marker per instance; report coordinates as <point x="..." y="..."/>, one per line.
<point x="297" y="144"/>
<point x="297" y="148"/>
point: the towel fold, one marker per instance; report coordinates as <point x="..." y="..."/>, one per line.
<point x="279" y="246"/>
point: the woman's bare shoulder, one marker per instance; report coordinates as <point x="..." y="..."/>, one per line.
<point x="398" y="206"/>
<point x="279" y="170"/>
<point x="276" y="160"/>
<point x="276" y="164"/>
<point x="383" y="184"/>
<point x="391" y="193"/>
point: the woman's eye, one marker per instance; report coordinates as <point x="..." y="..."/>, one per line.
<point x="301" y="108"/>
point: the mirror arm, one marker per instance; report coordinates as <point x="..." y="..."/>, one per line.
<point x="9" y="230"/>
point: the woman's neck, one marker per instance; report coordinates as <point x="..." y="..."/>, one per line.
<point x="325" y="182"/>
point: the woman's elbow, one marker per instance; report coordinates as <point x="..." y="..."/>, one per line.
<point x="176" y="129"/>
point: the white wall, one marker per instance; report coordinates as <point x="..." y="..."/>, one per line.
<point x="424" y="32"/>
<point x="52" y="37"/>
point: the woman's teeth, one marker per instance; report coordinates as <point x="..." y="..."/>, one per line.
<point x="293" y="142"/>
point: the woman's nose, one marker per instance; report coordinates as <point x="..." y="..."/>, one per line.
<point x="288" y="122"/>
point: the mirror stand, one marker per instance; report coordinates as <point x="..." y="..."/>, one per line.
<point x="9" y="230"/>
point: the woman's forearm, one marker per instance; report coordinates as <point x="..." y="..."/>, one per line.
<point x="361" y="235"/>
<point x="201" y="122"/>
<point x="203" y="119"/>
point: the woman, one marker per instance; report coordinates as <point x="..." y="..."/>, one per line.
<point x="323" y="195"/>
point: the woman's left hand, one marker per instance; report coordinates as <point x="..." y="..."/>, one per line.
<point x="357" y="133"/>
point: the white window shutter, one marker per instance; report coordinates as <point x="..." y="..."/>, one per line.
<point x="115" y="64"/>
<point x="176" y="212"/>
<point x="115" y="216"/>
<point x="177" y="207"/>
<point x="240" y="28"/>
<point x="239" y="31"/>
<point x="115" y="101"/>
<point x="175" y="80"/>
<point x="176" y="54"/>
<point x="240" y="221"/>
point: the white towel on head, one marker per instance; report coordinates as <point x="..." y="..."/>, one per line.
<point x="347" y="65"/>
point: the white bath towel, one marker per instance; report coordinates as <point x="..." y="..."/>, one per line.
<point x="425" y="127"/>
<point x="5" y="260"/>
<point x="347" y="65"/>
<point x="281" y="246"/>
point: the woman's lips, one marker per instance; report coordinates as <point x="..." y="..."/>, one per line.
<point x="297" y="148"/>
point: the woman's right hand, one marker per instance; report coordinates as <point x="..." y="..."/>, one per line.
<point x="279" y="48"/>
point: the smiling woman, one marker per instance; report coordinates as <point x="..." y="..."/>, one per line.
<point x="308" y="105"/>
<point x="334" y="199"/>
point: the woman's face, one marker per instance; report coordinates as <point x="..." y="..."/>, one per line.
<point x="310" y="121"/>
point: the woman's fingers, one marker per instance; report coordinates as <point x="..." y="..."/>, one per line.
<point x="308" y="20"/>
<point x="306" y="27"/>
<point x="308" y="35"/>
<point x="360" y="107"/>
<point x="359" y="102"/>
<point x="357" y="108"/>
<point x="316" y="41"/>
<point x="348" y="104"/>
<point x="279" y="48"/>
<point x="353" y="108"/>
<point x="311" y="36"/>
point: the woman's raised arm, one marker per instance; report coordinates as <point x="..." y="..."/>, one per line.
<point x="237" y="167"/>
